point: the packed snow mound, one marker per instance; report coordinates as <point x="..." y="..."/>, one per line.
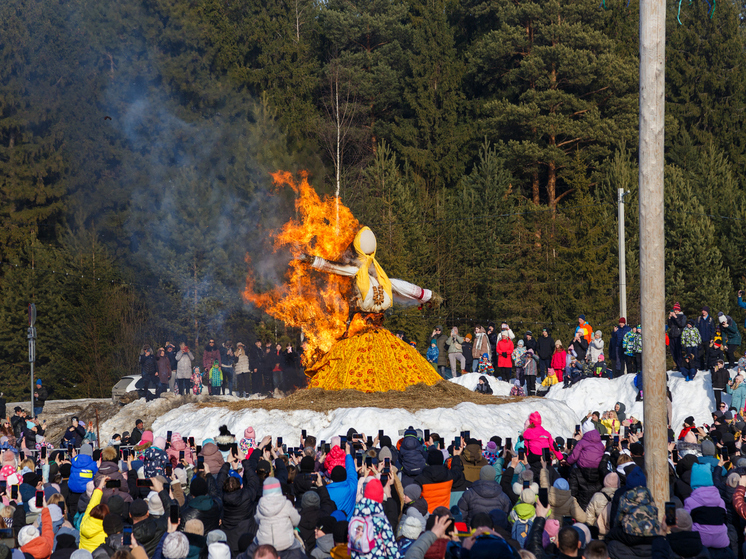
<point x="484" y="421"/>
<point x="470" y="381"/>
<point x="693" y="398"/>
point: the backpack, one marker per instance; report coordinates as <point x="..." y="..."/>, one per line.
<point x="362" y="534"/>
<point x="638" y="514"/>
<point x="520" y="530"/>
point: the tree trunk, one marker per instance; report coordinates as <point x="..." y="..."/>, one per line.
<point x="552" y="185"/>
<point x="535" y="186"/>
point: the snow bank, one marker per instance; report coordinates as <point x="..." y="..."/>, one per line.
<point x="484" y="421"/>
<point x="689" y="398"/>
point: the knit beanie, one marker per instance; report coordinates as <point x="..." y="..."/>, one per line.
<point x="708" y="448"/>
<point x="410" y="528"/>
<point x="307" y="464"/>
<point x="249" y="433"/>
<point x="528" y="496"/>
<point x="160" y="442"/>
<point x="81" y="554"/>
<point x="194" y="526"/>
<point x="86" y="449"/>
<point x="198" y="487"/>
<point x="216" y="536"/>
<point x="271" y="487"/>
<point x="310" y="499"/>
<point x="413" y="491"/>
<point x="487" y="473"/>
<point x="701" y="476"/>
<point x="733" y="479"/>
<point x="27" y="534"/>
<point x="612" y="480"/>
<point x="155" y="506"/>
<point x="561" y="483"/>
<point x="551" y="529"/>
<point x="527" y="475"/>
<point x="175" y="546"/>
<point x="339" y="474"/>
<point x="112" y="524"/>
<point x="434" y="457"/>
<point x="374" y="491"/>
<point x="147" y="437"/>
<point x="385" y="453"/>
<point x="636" y="478"/>
<point x="683" y="520"/>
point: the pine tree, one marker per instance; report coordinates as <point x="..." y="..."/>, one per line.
<point x="695" y="274"/>
<point x="550" y="83"/>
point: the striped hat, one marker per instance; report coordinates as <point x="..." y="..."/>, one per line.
<point x="271" y="487"/>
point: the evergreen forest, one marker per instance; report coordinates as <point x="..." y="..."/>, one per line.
<point x="484" y="142"/>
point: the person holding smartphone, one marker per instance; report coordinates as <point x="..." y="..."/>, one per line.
<point x="92" y="532"/>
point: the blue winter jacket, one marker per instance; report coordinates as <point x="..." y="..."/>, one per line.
<point x="343" y="493"/>
<point x="82" y="471"/>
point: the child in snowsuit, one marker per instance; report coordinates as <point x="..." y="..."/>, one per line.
<point x="688" y="366"/>
<point x="483" y="386"/>
<point x="433" y="354"/>
<point x="196" y="381"/>
<point x="638" y="385"/>
<point x="215" y="377"/>
<point x="551" y="379"/>
<point x="485" y="366"/>
<point x="573" y="373"/>
<point x="517" y="389"/>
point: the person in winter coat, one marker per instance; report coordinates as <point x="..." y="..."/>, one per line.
<point x="688" y="367"/>
<point x="737" y="389"/>
<point x="163" y="372"/>
<point x="370" y="511"/>
<point x="411" y="457"/>
<point x="155" y="460"/>
<point x="203" y="503"/>
<point x="484" y="495"/>
<point x="683" y="541"/>
<point x="73" y="435"/>
<point x="536" y="438"/>
<point x="212" y="456"/>
<point x="148" y="368"/>
<point x="210" y="355"/>
<point x="82" y="470"/>
<point x="433" y="354"/>
<point x="597" y="511"/>
<point x="561" y="500"/>
<point x="691" y="340"/>
<point x="706" y="326"/>
<point x="239" y="499"/>
<point x="720" y="378"/>
<point x="529" y="372"/>
<point x="276" y="517"/>
<point x="559" y="359"/>
<point x="596" y="346"/>
<point x="579" y="345"/>
<point x="504" y="350"/>
<point x="243" y="375"/>
<point x="184" y="359"/>
<point x="215" y="378"/>
<point x="730" y="332"/>
<point x="481" y="346"/>
<point x="544" y="349"/>
<point x="473" y="461"/>
<point x="551" y="378"/>
<point x="178" y="446"/>
<point x="437" y="480"/>
<point x="485" y="366"/>
<point x="676" y="324"/>
<point x="483" y="386"/>
<point x="37" y="544"/>
<point x="40" y="397"/>
<point x="620" y="410"/>
<point x="585" y="477"/>
<point x="343" y="488"/>
<point x="617" y="340"/>
<point x="92" y="532"/>
<point x="455" y="353"/>
<point x="315" y="508"/>
<point x="440" y="339"/>
<point x="517" y="390"/>
<point x="110" y="470"/>
<point x="628" y="345"/>
<point x="703" y="505"/>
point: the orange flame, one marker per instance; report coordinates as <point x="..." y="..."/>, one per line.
<point x="314" y="301"/>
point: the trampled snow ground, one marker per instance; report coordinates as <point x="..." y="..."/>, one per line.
<point x="561" y="409"/>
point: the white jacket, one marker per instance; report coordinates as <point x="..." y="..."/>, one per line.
<point x="276" y="517"/>
<point x="184" y="364"/>
<point x="596" y="348"/>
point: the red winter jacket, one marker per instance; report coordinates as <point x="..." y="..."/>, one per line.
<point x="504" y="350"/>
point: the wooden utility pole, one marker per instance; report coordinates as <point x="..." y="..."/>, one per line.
<point x="652" y="253"/>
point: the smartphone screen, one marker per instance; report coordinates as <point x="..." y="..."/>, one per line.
<point x="39" y="499"/>
<point x="387" y="462"/>
<point x="670" y="513"/>
<point x="467" y="435"/>
<point x="674" y="455"/>
<point x="169" y="471"/>
<point x="168" y="436"/>
<point x="526" y="484"/>
<point x="359" y="461"/>
<point x="144" y="483"/>
<point x="384" y="479"/>
<point x="380" y="434"/>
<point x="200" y="462"/>
<point x="112" y="483"/>
<point x="14" y="492"/>
<point x="22" y="455"/>
<point x="577" y="429"/>
<point x="521" y="454"/>
<point x="181" y="455"/>
<point x="426" y="436"/>
<point x="544" y="496"/>
<point x="43" y="452"/>
<point x="199" y="449"/>
<point x="327" y="448"/>
<point x="234" y="448"/>
<point x="191" y="441"/>
<point x="368" y="461"/>
<point x="279" y="441"/>
<point x="342" y="440"/>
<point x="303" y="434"/>
<point x="616" y="440"/>
<point x="625" y="445"/>
<point x="566" y="521"/>
<point x="457" y="442"/>
<point x="174" y="513"/>
<point x="509" y="443"/>
<point x="127" y="535"/>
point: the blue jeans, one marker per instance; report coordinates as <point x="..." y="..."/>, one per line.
<point x="228" y="380"/>
<point x="38" y="410"/>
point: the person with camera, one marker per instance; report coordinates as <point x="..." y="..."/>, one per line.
<point x="184" y="359"/>
<point x="455" y="352"/>
<point x="148" y="370"/>
<point x="676" y="325"/>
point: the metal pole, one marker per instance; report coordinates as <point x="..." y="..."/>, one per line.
<point x="32" y="348"/>
<point x="622" y="258"/>
<point x="652" y="256"/>
<point x="98" y="435"/>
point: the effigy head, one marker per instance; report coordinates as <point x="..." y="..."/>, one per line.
<point x="366" y="241"/>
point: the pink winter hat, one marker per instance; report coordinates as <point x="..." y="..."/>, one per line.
<point x="336" y="457"/>
<point x="249" y="433"/>
<point x="160" y="442"/>
<point x="551" y="529"/>
<point x="6" y="471"/>
<point x="147" y="437"/>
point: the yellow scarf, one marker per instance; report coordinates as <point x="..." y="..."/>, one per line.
<point x="362" y="277"/>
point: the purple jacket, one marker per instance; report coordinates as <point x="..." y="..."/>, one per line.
<point x="588" y="452"/>
<point x="713" y="535"/>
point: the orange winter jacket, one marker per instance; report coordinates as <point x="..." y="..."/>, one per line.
<point x="437" y="494"/>
<point x="41" y="547"/>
